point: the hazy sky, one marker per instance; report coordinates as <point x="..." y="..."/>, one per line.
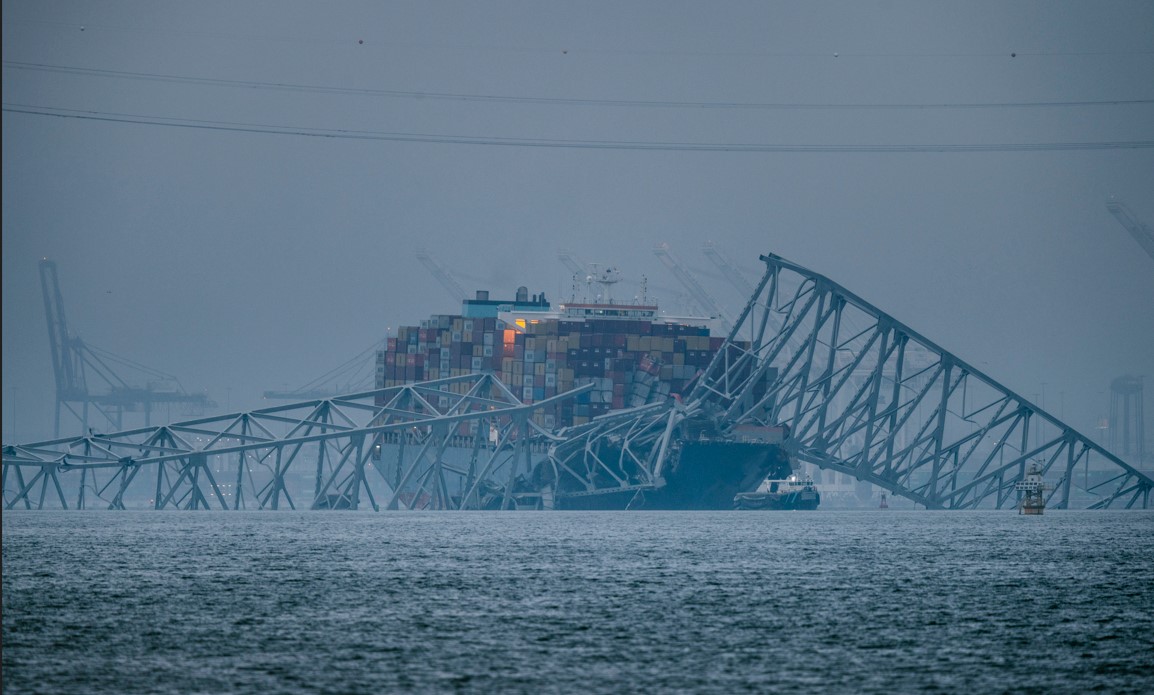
<point x="245" y="261"/>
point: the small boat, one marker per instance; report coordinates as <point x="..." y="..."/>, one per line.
<point x="790" y="493"/>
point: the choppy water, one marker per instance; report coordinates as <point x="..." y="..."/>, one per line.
<point x="330" y="602"/>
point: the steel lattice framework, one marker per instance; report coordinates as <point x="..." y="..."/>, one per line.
<point x="622" y="451"/>
<point x="866" y="395"/>
<point x="335" y="441"/>
<point x="859" y="392"/>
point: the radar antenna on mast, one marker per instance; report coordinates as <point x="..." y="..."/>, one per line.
<point x="607" y="278"/>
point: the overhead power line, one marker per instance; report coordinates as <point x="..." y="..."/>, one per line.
<point x="555" y="143"/>
<point x="622" y="103"/>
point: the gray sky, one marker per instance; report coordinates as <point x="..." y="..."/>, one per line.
<point x="246" y="261"/>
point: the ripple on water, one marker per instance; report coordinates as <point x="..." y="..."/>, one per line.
<point x="600" y="602"/>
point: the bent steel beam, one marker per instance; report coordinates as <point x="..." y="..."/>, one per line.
<point x="866" y="395"/>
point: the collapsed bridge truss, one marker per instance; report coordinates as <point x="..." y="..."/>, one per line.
<point x="865" y="395"/>
<point x="859" y="392"/>
<point x="332" y="444"/>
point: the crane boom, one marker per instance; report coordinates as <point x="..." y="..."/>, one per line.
<point x="575" y="266"/>
<point x="690" y="283"/>
<point x="728" y="269"/>
<point x="442" y="276"/>
<point x="1136" y="227"/>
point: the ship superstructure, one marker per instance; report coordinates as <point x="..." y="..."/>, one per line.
<point x="789" y="493"/>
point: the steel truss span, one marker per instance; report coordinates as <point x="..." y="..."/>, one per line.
<point x="859" y="392"/>
<point x="865" y="395"/>
<point x="384" y="448"/>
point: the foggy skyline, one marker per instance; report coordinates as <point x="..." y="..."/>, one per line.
<point x="245" y="261"/>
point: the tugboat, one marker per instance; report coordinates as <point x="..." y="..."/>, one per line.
<point x="1033" y="500"/>
<point x="790" y="493"/>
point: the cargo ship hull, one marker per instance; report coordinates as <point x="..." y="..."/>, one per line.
<point x="701" y="475"/>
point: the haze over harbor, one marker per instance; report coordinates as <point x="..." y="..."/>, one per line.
<point x="243" y="262"/>
<point x="239" y="198"/>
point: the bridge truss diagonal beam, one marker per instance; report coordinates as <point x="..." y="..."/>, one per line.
<point x="866" y="395"/>
<point x="621" y="451"/>
<point x="259" y="458"/>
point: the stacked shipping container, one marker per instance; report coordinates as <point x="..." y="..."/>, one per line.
<point x="629" y="362"/>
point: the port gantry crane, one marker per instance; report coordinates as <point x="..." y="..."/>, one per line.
<point x="859" y="392"/>
<point x="73" y="360"/>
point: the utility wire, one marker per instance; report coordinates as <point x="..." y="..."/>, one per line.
<point x="497" y="98"/>
<point x="604" y="144"/>
<point x="555" y="143"/>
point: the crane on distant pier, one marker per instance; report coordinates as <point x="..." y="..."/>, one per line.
<point x="73" y="359"/>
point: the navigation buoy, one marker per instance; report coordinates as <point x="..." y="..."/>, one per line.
<point x="884" y="504"/>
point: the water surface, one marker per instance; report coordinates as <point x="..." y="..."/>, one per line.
<point x="343" y="602"/>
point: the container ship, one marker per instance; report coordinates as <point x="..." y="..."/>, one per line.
<point x="629" y="352"/>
